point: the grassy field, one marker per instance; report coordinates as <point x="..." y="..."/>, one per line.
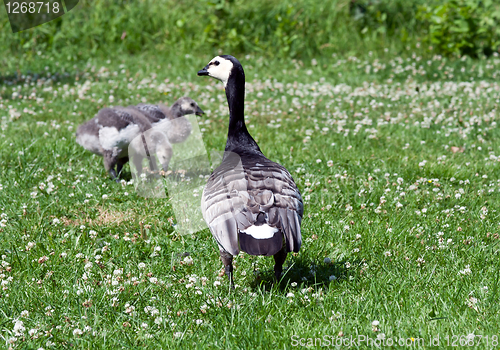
<point x="396" y="158"/>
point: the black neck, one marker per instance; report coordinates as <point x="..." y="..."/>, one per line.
<point x="238" y="136"/>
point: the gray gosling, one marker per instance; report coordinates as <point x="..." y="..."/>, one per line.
<point x="112" y="130"/>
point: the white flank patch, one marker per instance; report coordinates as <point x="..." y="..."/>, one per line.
<point x="89" y="142"/>
<point x="110" y="137"/>
<point x="261" y="232"/>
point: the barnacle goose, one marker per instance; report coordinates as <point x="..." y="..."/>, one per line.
<point x="249" y="203"/>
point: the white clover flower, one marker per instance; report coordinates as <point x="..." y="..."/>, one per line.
<point x="188" y="260"/>
<point x="129" y="308"/>
<point x="77" y="331"/>
<point x="19" y="328"/>
<point x="466" y="271"/>
<point x="420" y="261"/>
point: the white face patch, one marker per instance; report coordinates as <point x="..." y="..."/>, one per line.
<point x="220" y="68"/>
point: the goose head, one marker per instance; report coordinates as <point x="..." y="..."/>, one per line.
<point x="221" y="68"/>
<point x="229" y="70"/>
<point x="185" y="106"/>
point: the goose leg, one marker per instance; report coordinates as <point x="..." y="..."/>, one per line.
<point x="227" y="260"/>
<point x="109" y="163"/>
<point x="152" y="164"/>
<point x="120" y="163"/>
<point x="279" y="259"/>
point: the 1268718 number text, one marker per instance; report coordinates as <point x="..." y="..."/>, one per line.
<point x="32" y="7"/>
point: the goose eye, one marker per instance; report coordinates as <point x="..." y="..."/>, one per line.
<point x="192" y="104"/>
<point x="216" y="63"/>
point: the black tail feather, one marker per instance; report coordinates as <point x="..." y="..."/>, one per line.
<point x="268" y="246"/>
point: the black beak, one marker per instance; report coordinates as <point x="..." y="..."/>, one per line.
<point x="199" y="111"/>
<point x="204" y="71"/>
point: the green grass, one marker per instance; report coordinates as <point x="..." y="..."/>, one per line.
<point x="190" y="26"/>
<point x="401" y="190"/>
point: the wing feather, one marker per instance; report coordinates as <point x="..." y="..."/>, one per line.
<point x="243" y="186"/>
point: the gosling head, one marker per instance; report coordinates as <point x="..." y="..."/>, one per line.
<point x="185" y="106"/>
